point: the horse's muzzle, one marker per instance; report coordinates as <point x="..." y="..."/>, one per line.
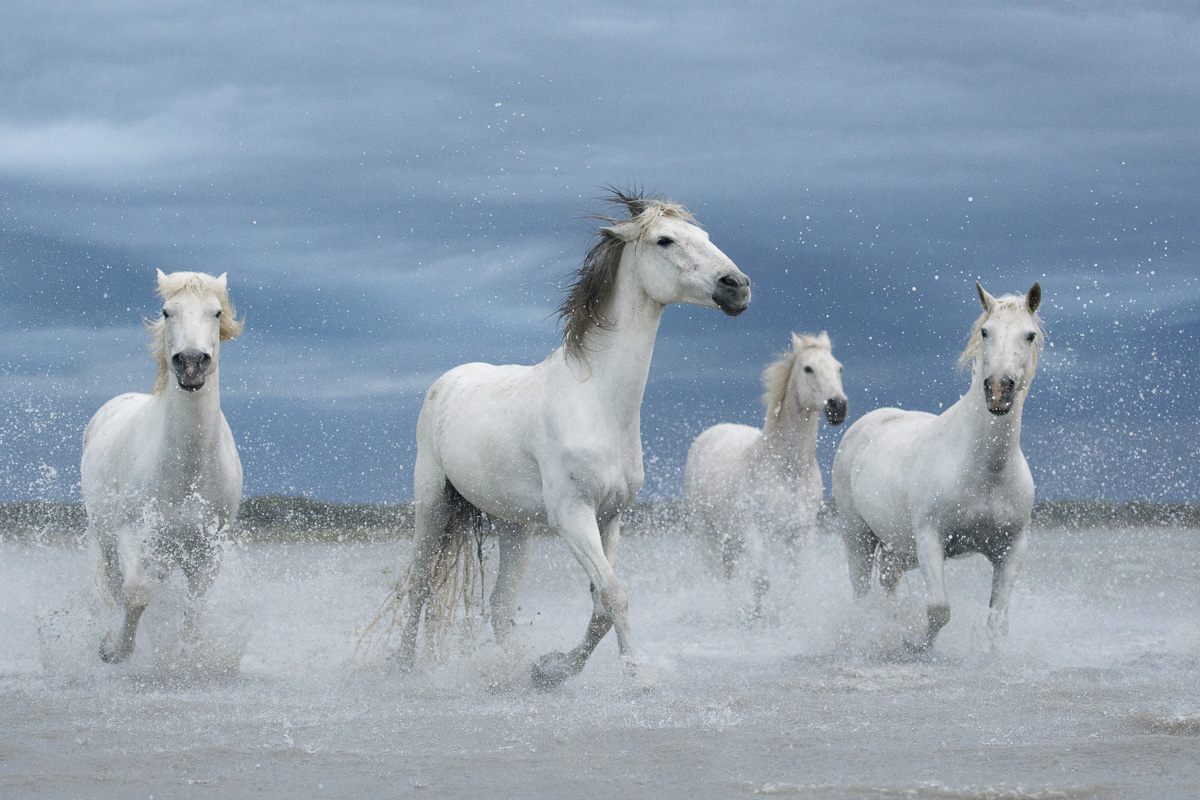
<point x="732" y="294"/>
<point x="999" y="394"/>
<point x="191" y="368"/>
<point x="835" y="410"/>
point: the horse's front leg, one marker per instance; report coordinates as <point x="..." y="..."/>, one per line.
<point x="201" y="560"/>
<point x="125" y="572"/>
<point x="610" y="604"/>
<point x="931" y="557"/>
<point x="756" y="556"/>
<point x="1005" y="568"/>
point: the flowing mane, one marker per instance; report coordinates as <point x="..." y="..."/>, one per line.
<point x="1009" y="302"/>
<point x="585" y="305"/>
<point x="778" y="374"/>
<point x="195" y="284"/>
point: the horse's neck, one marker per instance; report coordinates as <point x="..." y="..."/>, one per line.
<point x="986" y="439"/>
<point x="189" y="425"/>
<point x="618" y="358"/>
<point x="790" y="438"/>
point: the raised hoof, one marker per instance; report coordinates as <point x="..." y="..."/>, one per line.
<point x="110" y="653"/>
<point x="551" y="670"/>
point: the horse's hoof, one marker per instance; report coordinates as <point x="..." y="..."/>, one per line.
<point x="404" y="659"/>
<point x="111" y="653"/>
<point x="551" y="670"/>
<point x="642" y="676"/>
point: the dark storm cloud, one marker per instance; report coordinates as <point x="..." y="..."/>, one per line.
<point x="397" y="189"/>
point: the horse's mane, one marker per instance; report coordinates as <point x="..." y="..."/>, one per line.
<point x="586" y="303"/>
<point x="195" y="284"/>
<point x="778" y="374"/>
<point x="1013" y="302"/>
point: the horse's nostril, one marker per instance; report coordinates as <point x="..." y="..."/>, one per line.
<point x="729" y="280"/>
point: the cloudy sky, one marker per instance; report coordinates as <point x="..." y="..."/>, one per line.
<point x="397" y="188"/>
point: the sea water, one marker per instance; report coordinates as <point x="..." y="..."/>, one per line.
<point x="1093" y="692"/>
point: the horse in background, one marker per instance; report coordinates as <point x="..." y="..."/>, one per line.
<point x="558" y="444"/>
<point x="160" y="472"/>
<point x="913" y="489"/>
<point x="746" y="487"/>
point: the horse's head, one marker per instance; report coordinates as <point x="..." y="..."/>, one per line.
<point x="1006" y="341"/>
<point x="816" y="377"/>
<point x="676" y="262"/>
<point x="196" y="318"/>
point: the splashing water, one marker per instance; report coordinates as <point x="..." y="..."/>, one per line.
<point x="1091" y="694"/>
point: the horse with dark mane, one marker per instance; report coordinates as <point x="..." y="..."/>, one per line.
<point x="558" y="444"/>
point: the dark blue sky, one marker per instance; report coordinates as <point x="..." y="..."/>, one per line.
<point x="396" y="189"/>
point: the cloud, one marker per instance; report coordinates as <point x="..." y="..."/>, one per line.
<point x="396" y="189"/>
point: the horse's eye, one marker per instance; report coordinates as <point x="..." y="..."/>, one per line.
<point x="218" y="315"/>
<point x="165" y="314"/>
<point x="665" y="241"/>
<point x="983" y="332"/>
<point x="1029" y="337"/>
<point x="808" y="370"/>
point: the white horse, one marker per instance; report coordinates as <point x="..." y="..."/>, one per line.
<point x="160" y="473"/>
<point x="920" y="488"/>
<point x="744" y="486"/>
<point x="559" y="443"/>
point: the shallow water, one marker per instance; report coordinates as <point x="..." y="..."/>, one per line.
<point x="1093" y="693"/>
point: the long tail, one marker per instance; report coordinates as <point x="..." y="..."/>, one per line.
<point x="456" y="579"/>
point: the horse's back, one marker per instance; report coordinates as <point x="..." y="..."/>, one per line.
<point x="873" y="462"/>
<point x="477" y="422"/>
<point x="113" y="414"/>
<point x="717" y="453"/>
<point x="109" y="433"/>
<point x="713" y="472"/>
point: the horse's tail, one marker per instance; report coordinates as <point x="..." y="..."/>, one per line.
<point x="454" y="579"/>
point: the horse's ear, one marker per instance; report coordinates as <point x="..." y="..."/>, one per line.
<point x="223" y="280"/>
<point x="824" y="337"/>
<point x="622" y="231"/>
<point x="162" y="276"/>
<point x="1034" y="298"/>
<point x="796" y="341"/>
<point x="636" y="206"/>
<point x="986" y="299"/>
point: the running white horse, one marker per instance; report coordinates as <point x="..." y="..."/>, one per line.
<point x="745" y="487"/>
<point x="920" y="488"/>
<point x="559" y="443"/>
<point x="160" y="473"/>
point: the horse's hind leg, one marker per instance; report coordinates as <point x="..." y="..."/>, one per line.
<point x="433" y="512"/>
<point x="126" y="575"/>
<point x="861" y="544"/>
<point x="514" y="557"/>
